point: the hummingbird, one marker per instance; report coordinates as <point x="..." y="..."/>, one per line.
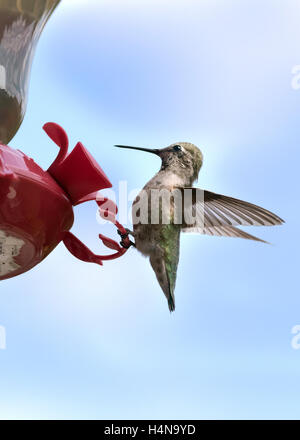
<point x="220" y="215"/>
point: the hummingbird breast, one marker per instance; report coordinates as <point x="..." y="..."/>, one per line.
<point x="149" y="215"/>
<point x="159" y="240"/>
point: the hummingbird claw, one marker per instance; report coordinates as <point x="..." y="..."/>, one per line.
<point x="127" y="246"/>
<point x="122" y="235"/>
<point x="125" y="243"/>
<point x="128" y="232"/>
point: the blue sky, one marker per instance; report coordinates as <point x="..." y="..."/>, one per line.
<point x="91" y="342"/>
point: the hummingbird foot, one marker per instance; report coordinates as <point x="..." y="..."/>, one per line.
<point x="125" y="243"/>
<point x="129" y="232"/>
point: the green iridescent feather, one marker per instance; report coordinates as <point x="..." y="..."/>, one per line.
<point x="170" y="244"/>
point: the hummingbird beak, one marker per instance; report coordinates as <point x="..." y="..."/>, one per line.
<point x="148" y="150"/>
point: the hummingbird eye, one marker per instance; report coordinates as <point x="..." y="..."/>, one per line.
<point x="177" y="148"/>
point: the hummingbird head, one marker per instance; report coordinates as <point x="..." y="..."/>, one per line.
<point x="182" y="158"/>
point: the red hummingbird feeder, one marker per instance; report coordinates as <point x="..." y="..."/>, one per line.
<point x="36" y="206"/>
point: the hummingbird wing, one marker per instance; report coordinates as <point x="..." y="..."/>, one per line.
<point x="164" y="261"/>
<point x="217" y="214"/>
<point x="223" y="231"/>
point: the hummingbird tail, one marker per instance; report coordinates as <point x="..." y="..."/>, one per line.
<point x="171" y="304"/>
<point x="159" y="266"/>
